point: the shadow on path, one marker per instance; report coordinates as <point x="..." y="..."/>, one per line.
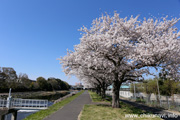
<point x="165" y="115"/>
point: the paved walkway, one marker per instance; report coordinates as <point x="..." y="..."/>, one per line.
<point x="72" y="109"/>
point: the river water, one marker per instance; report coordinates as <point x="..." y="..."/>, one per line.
<point x="24" y="113"/>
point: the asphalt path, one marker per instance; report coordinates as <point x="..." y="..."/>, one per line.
<point x="72" y="109"/>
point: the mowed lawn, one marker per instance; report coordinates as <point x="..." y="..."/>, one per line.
<point x="106" y="112"/>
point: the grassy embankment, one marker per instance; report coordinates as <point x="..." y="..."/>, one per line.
<point x="44" y="113"/>
<point x="106" y="112"/>
<point x="32" y="94"/>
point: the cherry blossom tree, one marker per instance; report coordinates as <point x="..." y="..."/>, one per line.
<point x="125" y="49"/>
<point x="95" y="76"/>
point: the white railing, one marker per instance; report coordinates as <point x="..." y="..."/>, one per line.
<point x="3" y="103"/>
<point x="30" y="103"/>
<point x="25" y="103"/>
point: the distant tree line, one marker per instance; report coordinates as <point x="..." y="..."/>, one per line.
<point x="9" y="79"/>
<point x="166" y="86"/>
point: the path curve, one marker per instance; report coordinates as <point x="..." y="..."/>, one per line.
<point x="72" y="109"/>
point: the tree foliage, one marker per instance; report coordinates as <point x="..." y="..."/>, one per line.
<point x="166" y="87"/>
<point x="9" y="79"/>
<point x="124" y="49"/>
<point x="42" y="83"/>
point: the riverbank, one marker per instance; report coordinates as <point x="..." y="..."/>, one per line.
<point x="31" y="95"/>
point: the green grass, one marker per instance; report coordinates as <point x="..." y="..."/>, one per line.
<point x="95" y="97"/>
<point x="44" y="113"/>
<point x="106" y="112"/>
<point x="140" y="100"/>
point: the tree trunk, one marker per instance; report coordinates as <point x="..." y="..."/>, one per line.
<point x="115" y="96"/>
<point x="96" y="91"/>
<point x="103" y="90"/>
<point x="103" y="93"/>
<point x="99" y="90"/>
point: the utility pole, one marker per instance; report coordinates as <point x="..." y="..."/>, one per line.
<point x="8" y="105"/>
<point x="134" y="91"/>
<point x="158" y="93"/>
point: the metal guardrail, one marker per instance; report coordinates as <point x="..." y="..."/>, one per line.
<point x="25" y="103"/>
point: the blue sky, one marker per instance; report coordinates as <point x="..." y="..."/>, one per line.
<point x="34" y="33"/>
